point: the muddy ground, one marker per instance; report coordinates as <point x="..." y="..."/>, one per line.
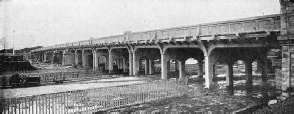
<point x="216" y="100"/>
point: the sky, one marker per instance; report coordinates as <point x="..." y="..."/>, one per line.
<point x="50" y="22"/>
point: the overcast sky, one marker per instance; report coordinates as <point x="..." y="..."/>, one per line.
<point x="50" y="22"/>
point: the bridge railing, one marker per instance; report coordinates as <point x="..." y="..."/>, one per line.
<point x="85" y="42"/>
<point x="94" y="100"/>
<point x="262" y="23"/>
<point x="98" y="41"/>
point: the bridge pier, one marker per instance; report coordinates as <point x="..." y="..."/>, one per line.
<point x="230" y="77"/>
<point x="248" y="74"/>
<point x="49" y="57"/>
<point x="200" y="68"/>
<point x="163" y="66"/>
<point x="286" y="40"/>
<point x="54" y="58"/>
<point x="208" y="71"/>
<point x="182" y="72"/>
<point x="45" y="57"/>
<point x="131" y="54"/>
<point x="146" y="66"/>
<point x="110" y="61"/>
<point x="151" y="66"/>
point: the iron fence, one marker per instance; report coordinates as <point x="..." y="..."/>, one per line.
<point x="93" y="100"/>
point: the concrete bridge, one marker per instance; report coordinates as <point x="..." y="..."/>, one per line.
<point x="246" y="39"/>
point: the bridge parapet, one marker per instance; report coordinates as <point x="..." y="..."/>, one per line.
<point x="247" y="25"/>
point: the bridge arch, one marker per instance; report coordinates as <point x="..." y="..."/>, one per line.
<point x="147" y="55"/>
<point x="102" y="58"/>
<point x="119" y="60"/>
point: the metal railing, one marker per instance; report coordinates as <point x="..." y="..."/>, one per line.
<point x="93" y="100"/>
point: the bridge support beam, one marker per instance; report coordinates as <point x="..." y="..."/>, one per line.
<point x="229" y="75"/>
<point x="83" y="58"/>
<point x="200" y="68"/>
<point x="248" y="73"/>
<point x="76" y="57"/>
<point x="146" y="66"/>
<point x="287" y="69"/>
<point x="135" y="67"/>
<point x="131" y="63"/>
<point x="95" y="59"/>
<point x="54" y="57"/>
<point x="124" y="64"/>
<point x="151" y="66"/>
<point x="110" y="61"/>
<point x="182" y="72"/>
<point x="230" y="78"/>
<point x="163" y="66"/>
<point x="45" y="57"/>
<point x="214" y="78"/>
<point x="208" y="71"/>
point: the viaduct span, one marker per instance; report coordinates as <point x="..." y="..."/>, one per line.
<point x="247" y="39"/>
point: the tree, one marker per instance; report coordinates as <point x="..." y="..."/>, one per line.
<point x="4" y="42"/>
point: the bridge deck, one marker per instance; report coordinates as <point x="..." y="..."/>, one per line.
<point x="207" y="31"/>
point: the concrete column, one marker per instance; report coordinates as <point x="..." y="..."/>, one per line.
<point x="117" y="59"/>
<point x="213" y="73"/>
<point x="130" y="63"/>
<point x="94" y="60"/>
<point x="182" y="72"/>
<point x="45" y="57"/>
<point x="200" y="68"/>
<point x="135" y="67"/>
<point x="146" y="66"/>
<point x="83" y="58"/>
<point x="230" y="79"/>
<point x="118" y="63"/>
<point x="124" y="65"/>
<point x="163" y="67"/>
<point x="287" y="71"/>
<point x="121" y="63"/>
<point x="151" y="66"/>
<point x="208" y="72"/>
<point x="264" y="70"/>
<point x="60" y="58"/>
<point x="168" y="66"/>
<point x="110" y="61"/>
<point x="176" y="65"/>
<point x="53" y="57"/>
<point x="140" y="64"/>
<point x="41" y="57"/>
<point x="248" y="71"/>
<point x="49" y="57"/>
<point x="229" y="76"/>
<point x="107" y="62"/>
<point x="76" y="57"/>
